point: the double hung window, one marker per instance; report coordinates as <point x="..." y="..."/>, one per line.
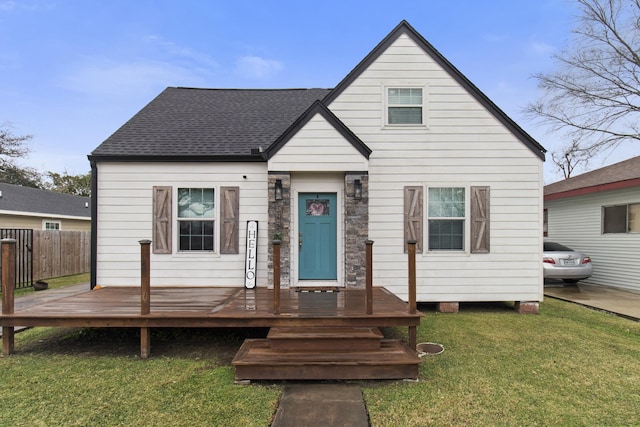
<point x="196" y="219"/>
<point x="446" y="218"/>
<point x="405" y="106"/>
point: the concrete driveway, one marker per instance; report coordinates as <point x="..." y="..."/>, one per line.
<point x="615" y="300"/>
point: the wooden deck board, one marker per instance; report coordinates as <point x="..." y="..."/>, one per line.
<point x="215" y="307"/>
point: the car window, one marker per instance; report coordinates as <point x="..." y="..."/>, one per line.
<point x="554" y="247"/>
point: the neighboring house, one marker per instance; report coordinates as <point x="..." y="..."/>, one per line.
<point x="31" y="208"/>
<point x="405" y="147"/>
<point x="598" y="212"/>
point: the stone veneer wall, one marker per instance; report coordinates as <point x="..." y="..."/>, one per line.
<point x="280" y="222"/>
<point x="356" y="229"/>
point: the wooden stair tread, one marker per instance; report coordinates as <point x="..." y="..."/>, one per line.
<point x="259" y="352"/>
<point x="256" y="360"/>
<point x="320" y="332"/>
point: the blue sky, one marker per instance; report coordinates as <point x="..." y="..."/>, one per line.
<point x="73" y="71"/>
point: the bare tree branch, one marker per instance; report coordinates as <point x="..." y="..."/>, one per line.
<point x="594" y="95"/>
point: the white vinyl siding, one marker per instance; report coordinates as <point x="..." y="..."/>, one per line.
<point x="463" y="146"/>
<point x="577" y="222"/>
<point x="125" y="193"/>
<point x="318" y="146"/>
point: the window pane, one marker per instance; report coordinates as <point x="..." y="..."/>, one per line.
<point x="634" y="218"/>
<point x="196" y="203"/>
<point x="446" y="203"/>
<point x="405" y="115"/>
<point x="196" y="235"/>
<point x="615" y="219"/>
<point x="446" y="234"/>
<point x="405" y="96"/>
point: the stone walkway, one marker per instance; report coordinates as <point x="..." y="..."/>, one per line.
<point x="320" y="405"/>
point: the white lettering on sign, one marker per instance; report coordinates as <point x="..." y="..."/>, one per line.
<point x="251" y="255"/>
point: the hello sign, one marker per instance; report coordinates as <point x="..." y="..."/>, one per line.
<point x="251" y="255"/>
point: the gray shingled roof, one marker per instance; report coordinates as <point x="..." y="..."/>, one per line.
<point x="200" y="123"/>
<point x="25" y="199"/>
<point x="622" y="171"/>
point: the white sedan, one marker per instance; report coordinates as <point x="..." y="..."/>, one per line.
<point x="561" y="262"/>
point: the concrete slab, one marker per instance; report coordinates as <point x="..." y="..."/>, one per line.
<point x="312" y="404"/>
<point x="615" y="300"/>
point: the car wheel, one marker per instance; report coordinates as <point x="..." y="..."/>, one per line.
<point x="570" y="280"/>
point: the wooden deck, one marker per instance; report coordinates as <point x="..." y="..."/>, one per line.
<point x="216" y="307"/>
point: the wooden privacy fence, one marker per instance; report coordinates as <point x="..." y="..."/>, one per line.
<point x="60" y="253"/>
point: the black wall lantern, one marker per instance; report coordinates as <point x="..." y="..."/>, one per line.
<point x="278" y="189"/>
<point x="357" y="189"/>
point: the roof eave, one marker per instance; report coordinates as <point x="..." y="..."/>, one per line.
<point x="233" y="158"/>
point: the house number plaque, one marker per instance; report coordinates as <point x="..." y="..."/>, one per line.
<point x="251" y="255"/>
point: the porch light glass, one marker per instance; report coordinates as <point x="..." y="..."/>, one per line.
<point x="357" y="189"/>
<point x="278" y="189"/>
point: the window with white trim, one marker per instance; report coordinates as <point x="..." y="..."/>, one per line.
<point x="51" y="225"/>
<point x="405" y="106"/>
<point x="196" y="219"/>
<point x="446" y="214"/>
<point x="621" y="219"/>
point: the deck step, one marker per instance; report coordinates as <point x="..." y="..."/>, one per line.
<point x="256" y="360"/>
<point x="335" y="339"/>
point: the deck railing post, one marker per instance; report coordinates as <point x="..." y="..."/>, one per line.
<point x="8" y="286"/>
<point x="145" y="295"/>
<point x="276" y="277"/>
<point x="369" y="275"/>
<point x="411" y="246"/>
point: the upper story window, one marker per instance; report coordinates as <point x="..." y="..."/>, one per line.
<point x="446" y="218"/>
<point x="405" y="106"/>
<point x="51" y="225"/>
<point x="621" y="219"/>
<point x="196" y="219"/>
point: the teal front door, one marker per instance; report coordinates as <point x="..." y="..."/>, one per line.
<point x="317" y="249"/>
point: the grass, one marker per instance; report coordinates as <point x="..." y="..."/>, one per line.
<point x="567" y="366"/>
<point x="57" y="282"/>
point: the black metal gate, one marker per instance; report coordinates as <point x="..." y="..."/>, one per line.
<point x="24" y="254"/>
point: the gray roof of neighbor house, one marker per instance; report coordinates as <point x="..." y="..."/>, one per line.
<point x="208" y="123"/>
<point x="624" y="174"/>
<point x="25" y="199"/>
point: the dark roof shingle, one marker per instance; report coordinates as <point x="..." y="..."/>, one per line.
<point x="187" y="122"/>
<point x="25" y="199"/>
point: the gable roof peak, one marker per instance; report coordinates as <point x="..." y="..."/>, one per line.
<point x="405" y="28"/>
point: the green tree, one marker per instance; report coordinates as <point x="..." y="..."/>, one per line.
<point x="12" y="147"/>
<point x="78" y="185"/>
<point x="594" y="93"/>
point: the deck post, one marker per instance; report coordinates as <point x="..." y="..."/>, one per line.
<point x="369" y="275"/>
<point x="145" y="295"/>
<point x="8" y="286"/>
<point x="411" y="246"/>
<point x="276" y="277"/>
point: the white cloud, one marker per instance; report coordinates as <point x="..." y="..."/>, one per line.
<point x="255" y="67"/>
<point x="107" y="78"/>
<point x="543" y="49"/>
<point x="6" y="6"/>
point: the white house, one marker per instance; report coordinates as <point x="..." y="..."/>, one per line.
<point x="598" y="212"/>
<point x="404" y="147"/>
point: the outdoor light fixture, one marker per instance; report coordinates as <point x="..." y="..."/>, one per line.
<point x="278" y="189"/>
<point x="357" y="189"/>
